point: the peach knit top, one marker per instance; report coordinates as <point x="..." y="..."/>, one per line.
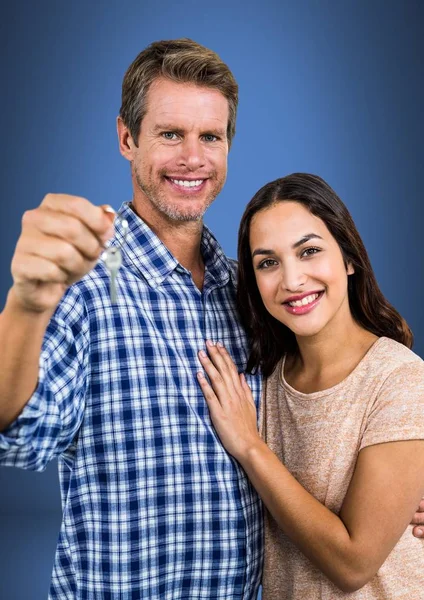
<point x="318" y="437"/>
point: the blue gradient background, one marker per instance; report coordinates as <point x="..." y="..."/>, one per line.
<point x="332" y="88"/>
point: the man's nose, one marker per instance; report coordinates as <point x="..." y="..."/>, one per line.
<point x="191" y="154"/>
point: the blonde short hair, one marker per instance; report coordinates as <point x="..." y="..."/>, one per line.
<point x="183" y="61"/>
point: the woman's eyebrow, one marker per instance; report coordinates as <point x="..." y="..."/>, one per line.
<point x="303" y="240"/>
<point x="306" y="238"/>
<point x="261" y="251"/>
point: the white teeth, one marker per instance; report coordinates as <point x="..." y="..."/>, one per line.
<point x="187" y="183"/>
<point x="304" y="301"/>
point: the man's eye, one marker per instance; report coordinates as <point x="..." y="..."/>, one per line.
<point x="265" y="264"/>
<point x="209" y="137"/>
<point x="310" y="251"/>
<point x="169" y="135"/>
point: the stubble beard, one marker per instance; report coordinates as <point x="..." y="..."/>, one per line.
<point x="173" y="211"/>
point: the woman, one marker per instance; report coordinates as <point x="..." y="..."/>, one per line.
<point x="342" y="443"/>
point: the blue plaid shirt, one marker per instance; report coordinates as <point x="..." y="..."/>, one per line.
<point x="153" y="506"/>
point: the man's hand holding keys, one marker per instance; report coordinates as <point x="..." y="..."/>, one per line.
<point x="61" y="241"/>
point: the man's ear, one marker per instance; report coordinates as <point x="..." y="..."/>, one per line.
<point x="126" y="142"/>
<point x="350" y="270"/>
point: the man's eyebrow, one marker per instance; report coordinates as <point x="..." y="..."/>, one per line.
<point x="167" y="127"/>
<point x="218" y="131"/>
<point x="303" y="240"/>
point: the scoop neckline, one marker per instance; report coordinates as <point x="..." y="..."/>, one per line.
<point x="331" y="390"/>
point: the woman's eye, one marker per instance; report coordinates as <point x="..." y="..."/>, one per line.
<point x="265" y="264"/>
<point x="310" y="251"/>
<point x="169" y="135"/>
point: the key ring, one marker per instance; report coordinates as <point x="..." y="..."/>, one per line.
<point x="120" y="219"/>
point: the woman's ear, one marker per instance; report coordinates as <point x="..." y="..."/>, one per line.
<point x="350" y="270"/>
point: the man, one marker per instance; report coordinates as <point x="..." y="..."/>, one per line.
<point x="153" y="507"/>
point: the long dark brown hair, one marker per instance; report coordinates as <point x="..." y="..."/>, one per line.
<point x="269" y="338"/>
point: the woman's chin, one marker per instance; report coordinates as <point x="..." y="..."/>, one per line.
<point x="306" y="329"/>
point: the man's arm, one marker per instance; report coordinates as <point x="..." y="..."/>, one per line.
<point x="60" y="242"/>
<point x="21" y="336"/>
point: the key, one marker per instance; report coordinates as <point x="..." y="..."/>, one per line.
<point x="113" y="262"/>
<point x="113" y="256"/>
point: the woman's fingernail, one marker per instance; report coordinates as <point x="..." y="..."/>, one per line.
<point x="202" y="353"/>
<point x="420" y="532"/>
<point x="200" y="375"/>
<point x="220" y="345"/>
<point x="210" y="344"/>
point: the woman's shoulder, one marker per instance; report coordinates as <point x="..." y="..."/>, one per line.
<point x="393" y="356"/>
<point x="393" y="370"/>
<point x="271" y="383"/>
<point x="396" y="385"/>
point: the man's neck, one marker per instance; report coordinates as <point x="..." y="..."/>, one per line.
<point x="181" y="238"/>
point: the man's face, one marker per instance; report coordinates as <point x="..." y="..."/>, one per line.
<point x="180" y="165"/>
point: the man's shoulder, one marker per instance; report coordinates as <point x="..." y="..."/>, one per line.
<point x="81" y="294"/>
<point x="233" y="263"/>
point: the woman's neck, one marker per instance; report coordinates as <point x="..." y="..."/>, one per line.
<point x="328" y="358"/>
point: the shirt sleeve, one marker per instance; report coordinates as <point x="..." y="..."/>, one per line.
<point x="50" y="420"/>
<point x="397" y="413"/>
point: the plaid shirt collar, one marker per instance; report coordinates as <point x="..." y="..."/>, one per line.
<point x="149" y="255"/>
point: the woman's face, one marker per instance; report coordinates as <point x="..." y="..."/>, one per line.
<point x="299" y="269"/>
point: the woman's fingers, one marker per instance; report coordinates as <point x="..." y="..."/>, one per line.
<point x="217" y="358"/>
<point x="246" y="389"/>
<point x="220" y="365"/>
<point x="223" y="374"/>
<point x="232" y="369"/>
<point x="238" y="380"/>
<point x="224" y="363"/>
<point x="230" y="402"/>
<point x="210" y="396"/>
<point x="219" y="385"/>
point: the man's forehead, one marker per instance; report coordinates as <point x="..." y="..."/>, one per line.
<point x="171" y="100"/>
<point x="185" y="118"/>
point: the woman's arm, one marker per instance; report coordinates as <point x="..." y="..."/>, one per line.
<point x="350" y="548"/>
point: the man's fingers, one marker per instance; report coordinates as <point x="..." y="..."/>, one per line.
<point x="35" y="268"/>
<point x="418" y="519"/>
<point x="46" y="222"/>
<point x="73" y="258"/>
<point x="94" y="217"/>
<point x="60" y="252"/>
<point x="418" y="532"/>
<point x="61" y="241"/>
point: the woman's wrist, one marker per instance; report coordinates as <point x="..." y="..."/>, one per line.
<point x="253" y="452"/>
